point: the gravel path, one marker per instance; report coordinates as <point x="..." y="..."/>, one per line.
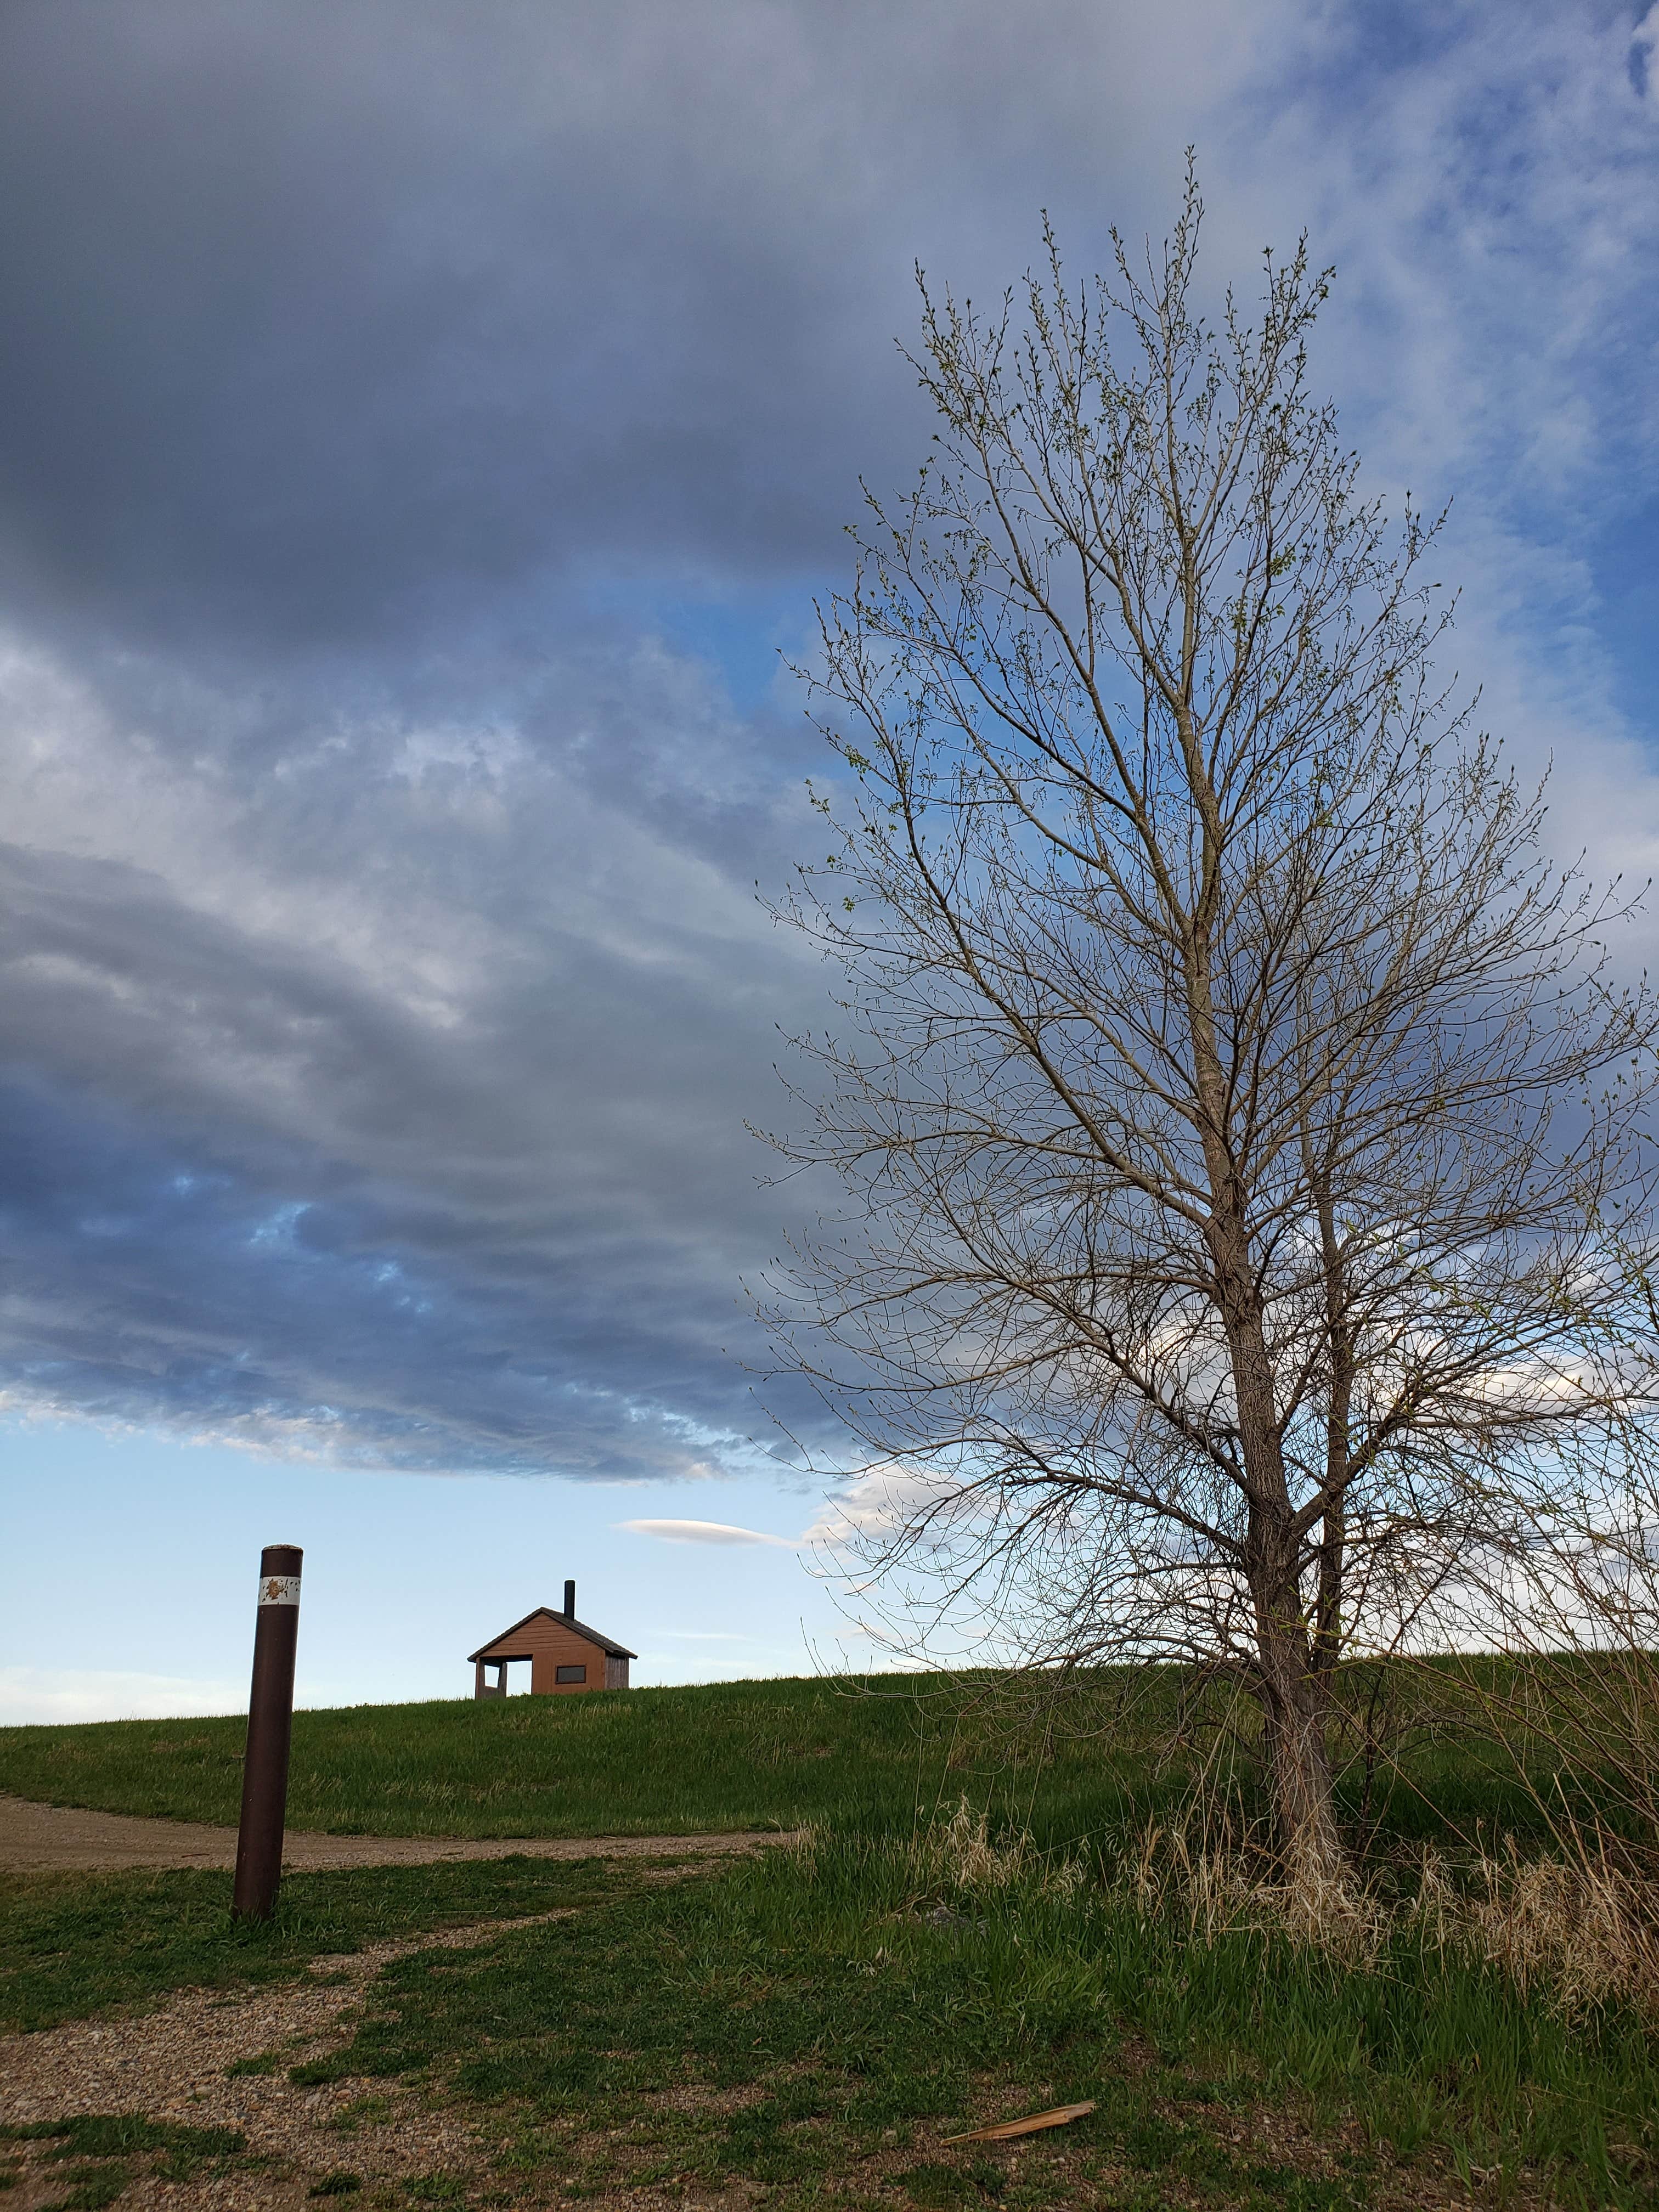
<point x="34" y="1838"/>
<point x="170" y="2064"/>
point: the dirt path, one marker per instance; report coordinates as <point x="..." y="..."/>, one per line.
<point x="171" y="2064"/>
<point x="36" y="1837"/>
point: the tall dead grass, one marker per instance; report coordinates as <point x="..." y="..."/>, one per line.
<point x="1579" y="1930"/>
<point x="1219" y="1892"/>
<point x="959" y="1852"/>
<point x="1582" y="1931"/>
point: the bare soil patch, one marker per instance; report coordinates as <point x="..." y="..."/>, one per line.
<point x="172" y="2065"/>
<point x="37" y="1838"/>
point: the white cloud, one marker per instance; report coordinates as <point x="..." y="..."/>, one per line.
<point x="704" y="1532"/>
<point x="876" y="1503"/>
<point x="45" y="1694"/>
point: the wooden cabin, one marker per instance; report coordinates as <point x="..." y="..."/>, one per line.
<point x="565" y="1655"/>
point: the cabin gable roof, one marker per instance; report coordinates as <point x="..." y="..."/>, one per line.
<point x="608" y="1644"/>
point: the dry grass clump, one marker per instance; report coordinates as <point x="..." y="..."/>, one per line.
<point x="956" y="1852"/>
<point x="1221" y="1893"/>
<point x="960" y="1853"/>
<point x="1580" y="1929"/>
<point x="1577" y="1930"/>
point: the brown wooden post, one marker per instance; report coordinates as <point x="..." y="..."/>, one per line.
<point x="270" y="1724"/>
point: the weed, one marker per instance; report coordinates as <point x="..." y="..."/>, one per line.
<point x="116" y="2135"/>
<point x="933" y="2185"/>
<point x="92" y="2187"/>
<point x="316" y="2073"/>
<point x="351" y="2117"/>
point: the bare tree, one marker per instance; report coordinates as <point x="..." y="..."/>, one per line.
<point x="1232" y="1099"/>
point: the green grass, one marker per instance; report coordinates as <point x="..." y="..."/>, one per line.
<point x="108" y="2143"/>
<point x="800" y="2028"/>
<point x="724" y="1756"/>
<point x="730" y="1756"/>
<point x="72" y="1945"/>
<point x="808" y="2032"/>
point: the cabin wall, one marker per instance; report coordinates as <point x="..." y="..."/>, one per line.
<point x="549" y="1645"/>
<point x="616" y="1672"/>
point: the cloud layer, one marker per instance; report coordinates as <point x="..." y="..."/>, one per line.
<point x="420" y="427"/>
<point x="704" y="1532"/>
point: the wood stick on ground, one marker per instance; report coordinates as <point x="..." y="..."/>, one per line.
<point x="1056" y="2117"/>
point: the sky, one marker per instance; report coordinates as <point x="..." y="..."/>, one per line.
<point x="424" y="430"/>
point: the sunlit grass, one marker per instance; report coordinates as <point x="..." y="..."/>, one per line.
<point x="798" y="2020"/>
<point x="736" y="1755"/>
<point x="809" y="2024"/>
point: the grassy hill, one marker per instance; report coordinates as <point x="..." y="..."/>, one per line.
<point x="816" y="2024"/>
<point x="722" y="1756"/>
<point x="871" y="1756"/>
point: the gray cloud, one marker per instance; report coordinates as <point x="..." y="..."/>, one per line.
<point x="384" y="988"/>
<point x="362" y="314"/>
<point x="417" y="421"/>
<point x="399" y="1097"/>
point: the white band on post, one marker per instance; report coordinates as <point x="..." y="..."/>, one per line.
<point x="279" y="1590"/>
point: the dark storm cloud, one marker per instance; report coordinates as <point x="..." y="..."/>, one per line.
<point x="383" y="386"/>
<point x="334" y="313"/>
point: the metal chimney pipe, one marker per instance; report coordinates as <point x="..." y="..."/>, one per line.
<point x="570" y="1600"/>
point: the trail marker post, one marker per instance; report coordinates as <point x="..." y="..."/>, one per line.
<point x="269" y="1724"/>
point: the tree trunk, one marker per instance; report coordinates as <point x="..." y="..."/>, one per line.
<point x="1334" y="1531"/>
<point x="1295" y="1694"/>
<point x="1295" y="1714"/>
<point x="1293" y="1689"/>
<point x="1292" y="1685"/>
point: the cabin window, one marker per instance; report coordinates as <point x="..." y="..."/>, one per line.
<point x="570" y="1673"/>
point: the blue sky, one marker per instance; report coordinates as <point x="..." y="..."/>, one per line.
<point x="420" y="428"/>
<point x="142" y="1558"/>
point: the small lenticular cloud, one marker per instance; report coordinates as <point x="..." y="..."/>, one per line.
<point x="704" y="1532"/>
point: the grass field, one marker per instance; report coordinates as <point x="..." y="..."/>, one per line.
<point x="801" y="2031"/>
<point x="728" y="1755"/>
<point x="870" y="1757"/>
<point x="72" y="1946"/>
<point x="812" y="2030"/>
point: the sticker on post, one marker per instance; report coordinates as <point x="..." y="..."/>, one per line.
<point x="279" y="1590"/>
